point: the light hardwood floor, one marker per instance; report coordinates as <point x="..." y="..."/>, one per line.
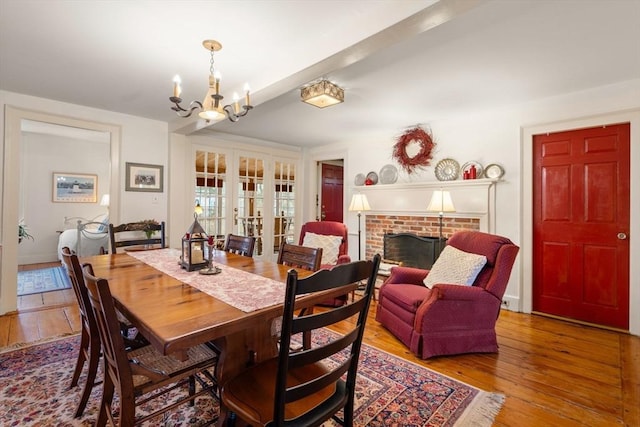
<point x="552" y="372"/>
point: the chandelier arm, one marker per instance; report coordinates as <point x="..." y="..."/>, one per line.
<point x="231" y="114"/>
<point x="179" y="110"/>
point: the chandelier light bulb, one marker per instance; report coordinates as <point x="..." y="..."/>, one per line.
<point x="177" y="90"/>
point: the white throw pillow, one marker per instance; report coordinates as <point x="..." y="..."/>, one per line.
<point x="456" y="267"/>
<point x="330" y="246"/>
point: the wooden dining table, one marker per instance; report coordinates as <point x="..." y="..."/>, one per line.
<point x="173" y="315"/>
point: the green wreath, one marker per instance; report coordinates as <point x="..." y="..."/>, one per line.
<point x="422" y="158"/>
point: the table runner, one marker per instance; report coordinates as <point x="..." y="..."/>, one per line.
<point x="240" y="289"/>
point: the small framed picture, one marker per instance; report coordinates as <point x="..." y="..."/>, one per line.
<point x="142" y="177"/>
<point x="74" y="188"/>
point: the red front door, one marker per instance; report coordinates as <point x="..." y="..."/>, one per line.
<point x="581" y="224"/>
<point x="331" y="204"/>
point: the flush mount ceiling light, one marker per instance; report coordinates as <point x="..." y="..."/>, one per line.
<point x="211" y="106"/>
<point x="322" y="94"/>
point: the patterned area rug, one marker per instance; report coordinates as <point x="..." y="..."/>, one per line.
<point x="391" y="391"/>
<point x="43" y="280"/>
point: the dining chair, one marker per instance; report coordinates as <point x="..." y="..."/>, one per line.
<point x="306" y="258"/>
<point x="142" y="371"/>
<point x="300" y="256"/>
<point x="296" y="387"/>
<point x="89" y="351"/>
<point x="241" y="245"/>
<point x="130" y="234"/>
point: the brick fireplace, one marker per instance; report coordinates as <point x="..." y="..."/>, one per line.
<point x="378" y="225"/>
<point x="401" y="208"/>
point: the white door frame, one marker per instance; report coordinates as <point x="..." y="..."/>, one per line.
<point x="526" y="237"/>
<point x="11" y="187"/>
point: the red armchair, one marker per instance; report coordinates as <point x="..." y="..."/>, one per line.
<point x="449" y="319"/>
<point x="330" y="228"/>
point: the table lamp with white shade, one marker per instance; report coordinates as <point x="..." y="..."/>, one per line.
<point x="359" y="203"/>
<point x="441" y="202"/>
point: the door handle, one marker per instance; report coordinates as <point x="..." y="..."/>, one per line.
<point x="622" y="236"/>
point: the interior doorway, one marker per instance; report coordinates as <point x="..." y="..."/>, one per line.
<point x="331" y="191"/>
<point x="11" y="187"/>
<point x="581" y="223"/>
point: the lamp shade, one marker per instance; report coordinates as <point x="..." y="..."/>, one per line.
<point x="359" y="203"/>
<point x="441" y="202"/>
<point x="105" y="200"/>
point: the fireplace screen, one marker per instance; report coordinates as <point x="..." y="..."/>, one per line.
<point x="412" y="250"/>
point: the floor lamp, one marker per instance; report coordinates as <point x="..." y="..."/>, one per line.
<point x="441" y="202"/>
<point x="359" y="203"/>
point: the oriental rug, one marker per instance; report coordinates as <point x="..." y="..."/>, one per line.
<point x="391" y="391"/>
<point x="42" y="280"/>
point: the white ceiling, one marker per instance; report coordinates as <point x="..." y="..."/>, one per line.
<point x="400" y="62"/>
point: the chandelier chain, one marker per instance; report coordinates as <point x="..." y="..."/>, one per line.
<point x="211" y="68"/>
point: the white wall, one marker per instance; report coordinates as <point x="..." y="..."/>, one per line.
<point x="42" y="155"/>
<point x="138" y="140"/>
<point x="497" y="137"/>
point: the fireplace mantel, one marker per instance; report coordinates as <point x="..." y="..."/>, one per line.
<point x="474" y="198"/>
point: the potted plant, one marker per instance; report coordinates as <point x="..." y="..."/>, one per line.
<point x="22" y="232"/>
<point x="147" y="228"/>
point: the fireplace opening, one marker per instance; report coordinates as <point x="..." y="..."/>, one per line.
<point x="412" y="250"/>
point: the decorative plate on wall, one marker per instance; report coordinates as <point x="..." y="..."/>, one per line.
<point x="494" y="171"/>
<point x="388" y="174"/>
<point x="447" y="170"/>
<point x="371" y="177"/>
<point x="359" y="179"/>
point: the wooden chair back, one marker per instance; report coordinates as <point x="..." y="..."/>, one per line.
<point x="300" y="256"/>
<point x="311" y="390"/>
<point x="118" y="241"/>
<point x="241" y="245"/>
<point x="89" y="350"/>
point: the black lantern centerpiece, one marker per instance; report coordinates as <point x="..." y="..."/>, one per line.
<point x="193" y="242"/>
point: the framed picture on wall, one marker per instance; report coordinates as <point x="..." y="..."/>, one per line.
<point x="142" y="177"/>
<point x="74" y="188"/>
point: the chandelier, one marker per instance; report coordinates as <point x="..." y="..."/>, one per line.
<point x="211" y="106"/>
<point x="322" y="94"/>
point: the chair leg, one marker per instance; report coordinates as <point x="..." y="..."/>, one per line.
<point x="94" y="358"/>
<point x="192" y="389"/>
<point x="127" y="409"/>
<point x="84" y="346"/>
<point x="107" y="397"/>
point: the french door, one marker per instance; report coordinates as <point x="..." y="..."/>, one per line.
<point x="248" y="194"/>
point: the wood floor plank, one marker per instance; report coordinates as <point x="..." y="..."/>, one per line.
<point x="630" y="361"/>
<point x="53" y="322"/>
<point x="5" y="325"/>
<point x="72" y="313"/>
<point x="26" y="302"/>
<point x="23" y="328"/>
